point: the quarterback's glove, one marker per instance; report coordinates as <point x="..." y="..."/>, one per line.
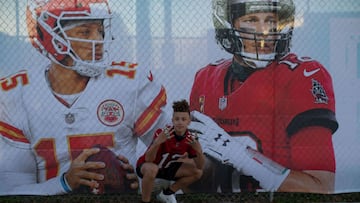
<point x="220" y="145"/>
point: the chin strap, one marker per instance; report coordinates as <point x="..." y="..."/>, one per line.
<point x="251" y="59"/>
<point x="87" y="71"/>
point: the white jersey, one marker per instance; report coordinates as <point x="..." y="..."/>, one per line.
<point x="114" y="110"/>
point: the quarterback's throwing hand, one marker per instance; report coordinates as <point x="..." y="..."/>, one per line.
<point x="215" y="141"/>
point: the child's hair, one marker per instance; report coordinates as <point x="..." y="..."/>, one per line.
<point x="181" y="106"/>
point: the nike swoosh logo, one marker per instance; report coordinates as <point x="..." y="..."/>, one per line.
<point x="310" y="73"/>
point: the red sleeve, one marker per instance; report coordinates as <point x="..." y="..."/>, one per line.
<point x="307" y="97"/>
<point x="194" y="103"/>
<point x="312" y="149"/>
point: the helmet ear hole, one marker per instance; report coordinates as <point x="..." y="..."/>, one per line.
<point x="45" y="17"/>
<point x="60" y="46"/>
<point x="227" y="39"/>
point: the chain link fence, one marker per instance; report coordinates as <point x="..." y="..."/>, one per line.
<point x="193" y="198"/>
<point x="176" y="38"/>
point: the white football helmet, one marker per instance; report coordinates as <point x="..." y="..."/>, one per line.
<point x="225" y="12"/>
<point x="46" y="21"/>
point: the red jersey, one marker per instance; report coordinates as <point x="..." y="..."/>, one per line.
<point x="171" y="150"/>
<point x="286" y="110"/>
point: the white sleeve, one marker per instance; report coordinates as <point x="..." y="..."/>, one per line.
<point x="18" y="173"/>
<point x="150" y="107"/>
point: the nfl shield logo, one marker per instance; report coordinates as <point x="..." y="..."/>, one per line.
<point x="222" y="103"/>
<point x="69" y="118"/>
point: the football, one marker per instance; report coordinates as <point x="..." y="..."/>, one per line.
<point x="115" y="180"/>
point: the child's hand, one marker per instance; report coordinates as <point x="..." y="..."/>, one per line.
<point x="166" y="133"/>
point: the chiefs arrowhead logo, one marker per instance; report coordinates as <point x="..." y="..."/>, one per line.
<point x="150" y="76"/>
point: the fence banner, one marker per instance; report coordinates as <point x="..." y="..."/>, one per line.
<point x="273" y="88"/>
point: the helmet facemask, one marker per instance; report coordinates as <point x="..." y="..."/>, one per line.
<point x="255" y="49"/>
<point x="266" y="47"/>
<point x="90" y="67"/>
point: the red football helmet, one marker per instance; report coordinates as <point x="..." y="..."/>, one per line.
<point x="45" y="23"/>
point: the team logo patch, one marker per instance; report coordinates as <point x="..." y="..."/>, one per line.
<point x="110" y="113"/>
<point x="319" y="93"/>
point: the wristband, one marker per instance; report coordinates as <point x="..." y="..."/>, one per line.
<point x="269" y="173"/>
<point x="65" y="184"/>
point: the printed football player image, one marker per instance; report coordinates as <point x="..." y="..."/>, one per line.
<point x="165" y="157"/>
<point x="276" y="110"/>
<point x="52" y="116"/>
